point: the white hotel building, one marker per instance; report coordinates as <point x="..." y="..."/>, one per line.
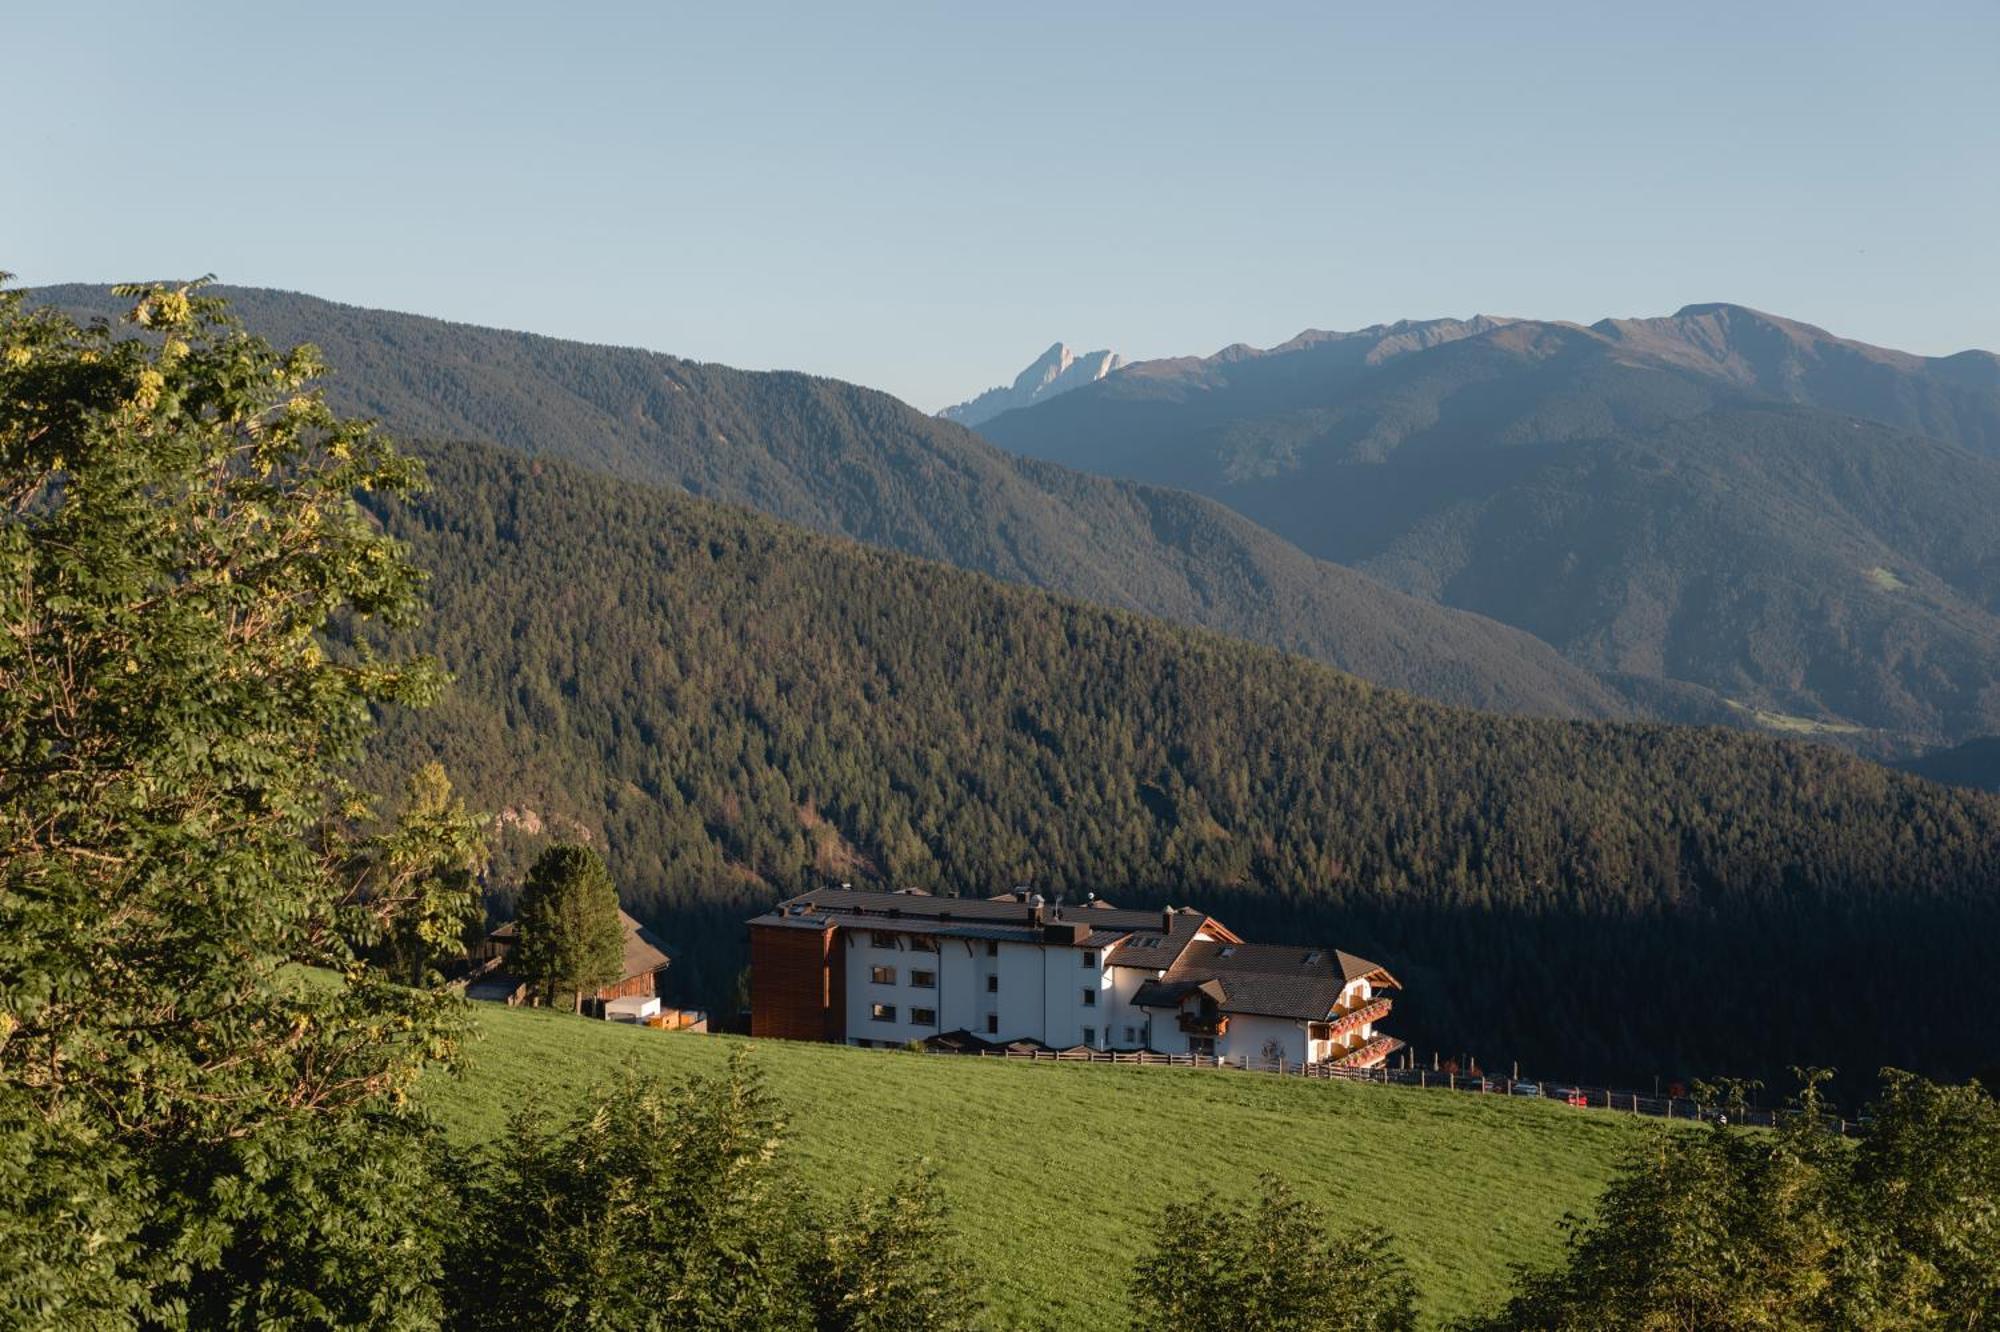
<point x="892" y="969"/>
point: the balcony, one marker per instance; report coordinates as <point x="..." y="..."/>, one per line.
<point x="1205" y="1024"/>
<point x="1353" y="1019"/>
<point x="1370" y="1054"/>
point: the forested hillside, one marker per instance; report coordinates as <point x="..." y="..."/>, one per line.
<point x="852" y="461"/>
<point x="735" y="709"/>
<point x="1720" y="508"/>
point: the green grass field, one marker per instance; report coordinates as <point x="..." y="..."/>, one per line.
<point x="1055" y="1170"/>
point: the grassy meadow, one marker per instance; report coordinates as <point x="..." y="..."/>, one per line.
<point x="1055" y="1170"/>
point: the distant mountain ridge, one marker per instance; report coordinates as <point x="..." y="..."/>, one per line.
<point x="1720" y="504"/>
<point x="854" y="462"/>
<point x="1056" y="371"/>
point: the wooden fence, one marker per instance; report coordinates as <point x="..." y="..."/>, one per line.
<point x="1583" y="1098"/>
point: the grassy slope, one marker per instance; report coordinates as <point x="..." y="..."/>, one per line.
<point x="1056" y="1170"/>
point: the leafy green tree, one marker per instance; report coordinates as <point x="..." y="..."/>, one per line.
<point x="1728" y="1228"/>
<point x="202" y="1079"/>
<point x="571" y="937"/>
<point x="658" y="1205"/>
<point x="1924" y="1193"/>
<point x="890" y="1263"/>
<point x="419" y="879"/>
<point x="1269" y="1267"/>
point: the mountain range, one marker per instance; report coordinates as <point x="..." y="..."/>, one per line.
<point x="1720" y="513"/>
<point x="854" y="462"/>
<point x="1055" y="371"/>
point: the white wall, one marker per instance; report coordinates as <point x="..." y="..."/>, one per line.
<point x="863" y="993"/>
<point x="1039" y="995"/>
<point x="1124" y="983"/>
<point x="1260" y="1038"/>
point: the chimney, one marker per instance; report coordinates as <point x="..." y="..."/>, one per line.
<point x="1166" y="920"/>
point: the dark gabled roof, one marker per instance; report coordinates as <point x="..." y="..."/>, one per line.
<point x="1354" y="968"/>
<point x="644" y="953"/>
<point x="1172" y="994"/>
<point x="958" y="1042"/>
<point x="1275" y="980"/>
<point x="1157" y="949"/>
<point x="977" y="917"/>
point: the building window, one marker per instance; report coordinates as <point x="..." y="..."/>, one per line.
<point x="992" y="948"/>
<point x="924" y="1017"/>
<point x="1090" y="1036"/>
<point x="1090" y="998"/>
<point x="1090" y="958"/>
<point x="882" y="975"/>
<point x="883" y="1012"/>
<point x="1131" y="1035"/>
<point x="992" y="985"/>
<point x="924" y="980"/>
<point x="922" y="943"/>
<point x="992" y="1024"/>
<point x="882" y="938"/>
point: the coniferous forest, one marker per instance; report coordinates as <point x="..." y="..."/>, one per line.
<point x="735" y="710"/>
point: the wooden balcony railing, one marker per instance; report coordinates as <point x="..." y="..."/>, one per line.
<point x="1205" y="1024"/>
<point x="1366" y="1056"/>
<point x="1359" y="1016"/>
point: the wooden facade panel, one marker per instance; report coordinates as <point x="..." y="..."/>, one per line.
<point x="644" y="985"/>
<point x="794" y="993"/>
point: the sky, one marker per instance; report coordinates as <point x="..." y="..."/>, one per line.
<point x="923" y="197"/>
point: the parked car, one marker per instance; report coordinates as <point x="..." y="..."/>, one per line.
<point x="1526" y="1089"/>
<point x="1570" y="1095"/>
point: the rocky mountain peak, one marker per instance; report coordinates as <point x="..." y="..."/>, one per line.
<point x="1055" y="371"/>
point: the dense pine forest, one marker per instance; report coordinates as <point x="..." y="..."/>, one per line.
<point x="735" y="709"/>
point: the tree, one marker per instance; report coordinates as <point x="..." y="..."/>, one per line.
<point x="890" y="1263"/>
<point x="571" y="936"/>
<point x="1271" y="1267"/>
<point x="418" y="880"/>
<point x="202" y="1079"/>
<point x="1728" y="1228"/>
<point x="1924" y="1194"/>
<point x="675" y="1205"/>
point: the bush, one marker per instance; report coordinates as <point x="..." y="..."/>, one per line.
<point x="1270" y="1267"/>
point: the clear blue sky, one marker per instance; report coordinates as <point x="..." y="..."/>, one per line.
<point x="922" y="198"/>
